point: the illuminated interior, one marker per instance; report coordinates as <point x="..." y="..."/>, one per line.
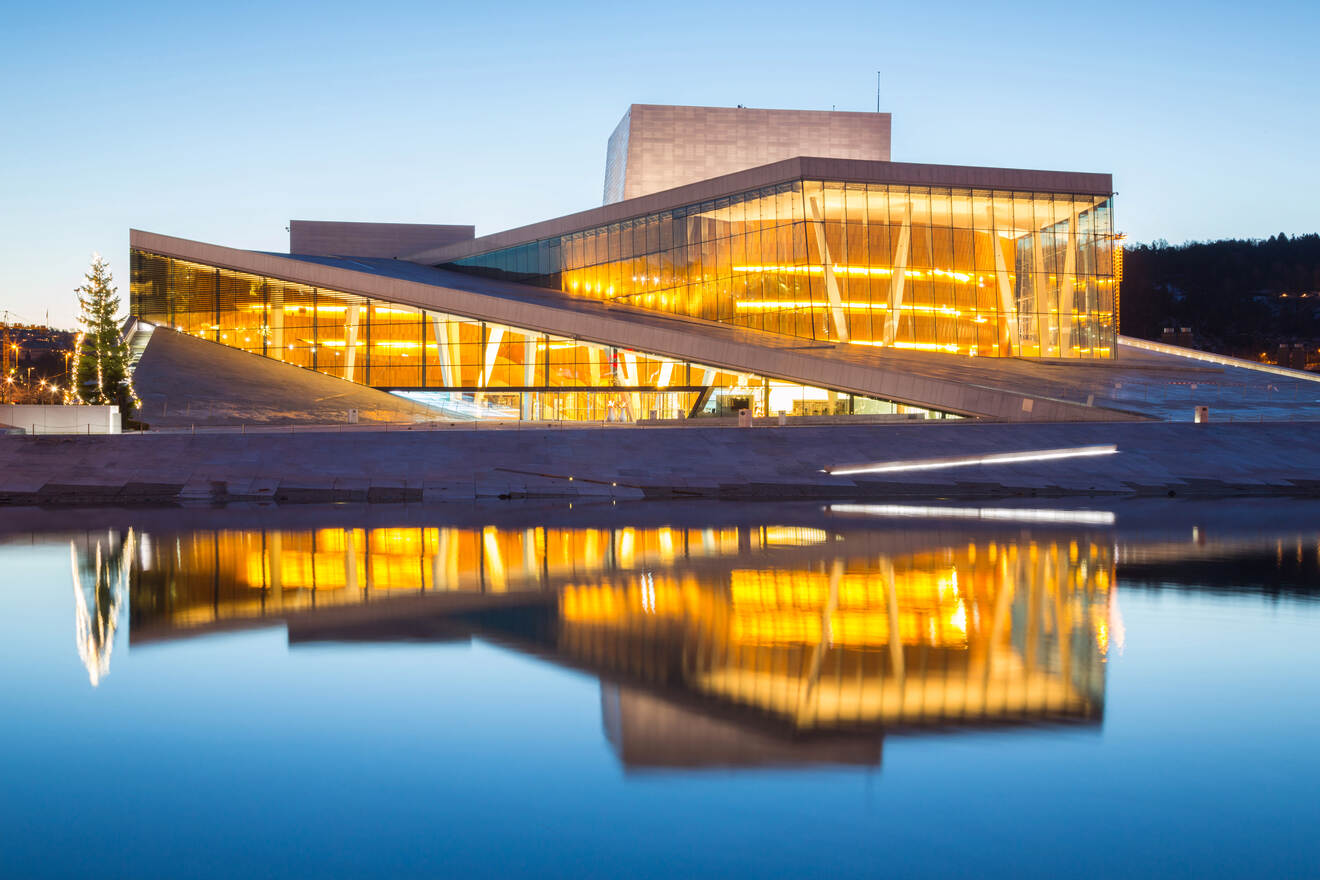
<point x="963" y="271"/>
<point x="466" y="369"/>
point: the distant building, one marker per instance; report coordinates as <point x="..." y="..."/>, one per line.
<point x="1178" y="336"/>
<point x="35" y="339"/>
<point x="1292" y="355"/>
<point x="32" y="355"/>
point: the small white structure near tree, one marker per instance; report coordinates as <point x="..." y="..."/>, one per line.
<point x="54" y="418"/>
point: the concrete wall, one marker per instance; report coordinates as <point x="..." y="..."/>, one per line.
<point x="57" y="419"/>
<point x="669" y="146"/>
<point x="1157" y="459"/>
<point x="386" y="240"/>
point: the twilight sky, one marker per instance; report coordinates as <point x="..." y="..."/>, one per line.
<point x="221" y="122"/>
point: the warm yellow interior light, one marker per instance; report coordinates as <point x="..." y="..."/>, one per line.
<point x="864" y="272"/>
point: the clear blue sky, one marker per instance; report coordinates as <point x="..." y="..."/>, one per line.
<point x="221" y="122"/>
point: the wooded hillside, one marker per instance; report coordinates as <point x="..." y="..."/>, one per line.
<point x="1238" y="297"/>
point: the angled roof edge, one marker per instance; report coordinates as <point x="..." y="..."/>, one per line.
<point x="799" y="168"/>
<point x="686" y="339"/>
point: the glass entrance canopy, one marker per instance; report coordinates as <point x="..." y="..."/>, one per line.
<point x="959" y="270"/>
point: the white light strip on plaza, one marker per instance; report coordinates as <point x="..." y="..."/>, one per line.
<point x="1080" y="517"/>
<point x="927" y="464"/>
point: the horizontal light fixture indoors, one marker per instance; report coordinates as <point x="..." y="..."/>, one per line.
<point x="1001" y="514"/>
<point x="927" y="464"/>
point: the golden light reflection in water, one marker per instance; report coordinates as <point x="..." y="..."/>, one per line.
<point x="203" y="578"/>
<point x="801" y="626"/>
<point x="982" y="631"/>
<point x="724" y="646"/>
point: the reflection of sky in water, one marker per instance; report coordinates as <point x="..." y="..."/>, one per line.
<point x="649" y="700"/>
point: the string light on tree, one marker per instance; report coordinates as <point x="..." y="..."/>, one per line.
<point x="100" y="367"/>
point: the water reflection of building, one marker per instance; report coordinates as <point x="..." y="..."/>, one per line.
<point x="100" y="570"/>
<point x="986" y="631"/>
<point x="723" y="646"/>
<point x="213" y="579"/>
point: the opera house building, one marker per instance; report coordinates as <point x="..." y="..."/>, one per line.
<point x="769" y="262"/>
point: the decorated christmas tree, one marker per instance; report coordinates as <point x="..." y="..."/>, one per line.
<point x="101" y="371"/>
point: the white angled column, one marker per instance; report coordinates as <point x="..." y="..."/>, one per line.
<point x="1007" y="302"/>
<point x="594" y="355"/>
<point x="529" y="360"/>
<point x="1067" y="286"/>
<point x="492" y="350"/>
<point x="629" y="377"/>
<point x="440" y="329"/>
<point x="529" y="376"/>
<point x="350" y="340"/>
<point x="837" y="312"/>
<point x="1040" y="294"/>
<point x="275" y="324"/>
<point x="899" y="277"/>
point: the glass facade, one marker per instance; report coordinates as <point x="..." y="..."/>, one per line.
<point x="964" y="271"/>
<point x="463" y="367"/>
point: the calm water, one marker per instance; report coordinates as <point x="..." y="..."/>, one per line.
<point x="710" y="690"/>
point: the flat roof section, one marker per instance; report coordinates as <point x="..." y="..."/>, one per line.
<point x="800" y="168"/>
<point x="371" y="239"/>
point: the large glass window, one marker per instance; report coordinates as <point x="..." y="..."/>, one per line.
<point x="465" y="368"/>
<point x="963" y="271"/>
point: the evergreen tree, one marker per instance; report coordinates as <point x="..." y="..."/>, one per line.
<point x="101" y="372"/>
